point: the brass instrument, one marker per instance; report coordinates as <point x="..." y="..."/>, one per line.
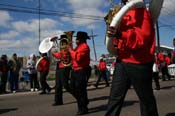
<point x="65" y="41"/>
<point x="113" y="19"/>
<point x="108" y="18"/>
<point x="116" y="14"/>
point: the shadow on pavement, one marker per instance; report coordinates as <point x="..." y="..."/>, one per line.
<point x="2" y="111"/>
<point x="104" y="107"/>
<point x="99" y="98"/>
<point x="98" y="108"/>
<point x="129" y="103"/>
<point x="167" y="87"/>
<point x="170" y="114"/>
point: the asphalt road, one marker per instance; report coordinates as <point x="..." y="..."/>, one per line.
<point x="28" y="103"/>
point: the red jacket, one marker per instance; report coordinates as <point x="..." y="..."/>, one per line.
<point x="102" y="65"/>
<point x="167" y="60"/>
<point x="137" y="43"/>
<point x="160" y="57"/>
<point x="80" y="56"/>
<point x="4" y="66"/>
<point x="44" y="65"/>
<point x="61" y="55"/>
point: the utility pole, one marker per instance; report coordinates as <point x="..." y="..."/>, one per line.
<point x="158" y="38"/>
<point x="39" y="30"/>
<point x="92" y="36"/>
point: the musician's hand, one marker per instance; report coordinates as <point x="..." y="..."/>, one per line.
<point x="53" y="50"/>
<point x="54" y="38"/>
<point x="113" y="32"/>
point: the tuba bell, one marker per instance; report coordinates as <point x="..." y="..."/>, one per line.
<point x="47" y="44"/>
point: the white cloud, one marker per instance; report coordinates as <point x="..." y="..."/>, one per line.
<point x="9" y="44"/>
<point x="92" y="26"/>
<point x="9" y="35"/>
<point x="88" y="7"/>
<point x="50" y="33"/>
<point x="25" y="45"/>
<point x="90" y="11"/>
<point x="5" y="18"/>
<point x="168" y="8"/>
<point x="33" y="25"/>
<point x="79" y="4"/>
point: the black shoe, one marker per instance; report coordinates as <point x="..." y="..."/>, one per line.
<point x="57" y="104"/>
<point x="157" y="88"/>
<point x="82" y="111"/>
<point x="42" y="93"/>
<point x="96" y="86"/>
<point x="49" y="90"/>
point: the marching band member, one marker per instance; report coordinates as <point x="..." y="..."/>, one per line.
<point x="62" y="72"/>
<point x="80" y="62"/>
<point x="136" y="44"/>
<point x="43" y="68"/>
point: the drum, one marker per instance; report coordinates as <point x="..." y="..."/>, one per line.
<point x="155" y="68"/>
<point x="171" y="69"/>
<point x="37" y="63"/>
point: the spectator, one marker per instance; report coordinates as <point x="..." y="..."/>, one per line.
<point x="15" y="66"/>
<point x="31" y="62"/>
<point x="3" y="73"/>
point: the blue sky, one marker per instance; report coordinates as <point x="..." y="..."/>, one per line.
<point x="19" y="30"/>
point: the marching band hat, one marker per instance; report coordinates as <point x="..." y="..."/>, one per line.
<point x="82" y="35"/>
<point x="63" y="36"/>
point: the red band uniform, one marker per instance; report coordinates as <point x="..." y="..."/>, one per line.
<point x="62" y="74"/>
<point x="80" y="62"/>
<point x="43" y="68"/>
<point x="136" y="45"/>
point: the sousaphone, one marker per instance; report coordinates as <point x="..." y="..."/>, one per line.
<point x="45" y="47"/>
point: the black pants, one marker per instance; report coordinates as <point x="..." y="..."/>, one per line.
<point x="156" y="79"/>
<point x="140" y="76"/>
<point x="62" y="80"/>
<point x="3" y="82"/>
<point x="78" y="83"/>
<point x="88" y="72"/>
<point x="165" y="73"/>
<point x="104" y="76"/>
<point x="43" y="81"/>
<point x="34" y="81"/>
<point x="14" y="80"/>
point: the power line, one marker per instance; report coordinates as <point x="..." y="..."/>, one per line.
<point x="21" y="7"/>
<point x="48" y="12"/>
